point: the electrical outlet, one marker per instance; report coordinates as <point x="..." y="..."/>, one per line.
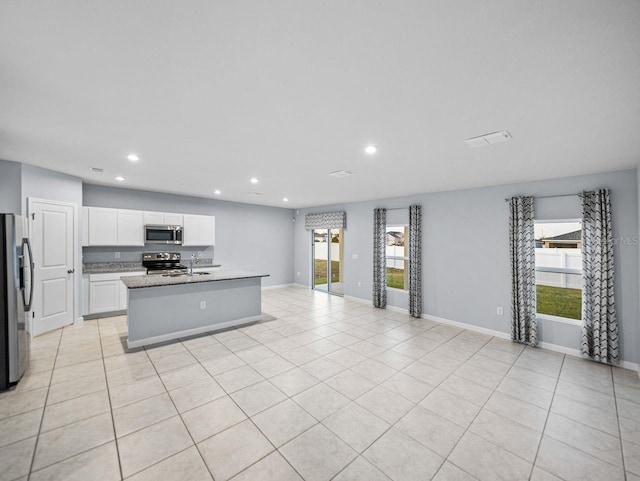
<point x="117" y="255"/>
<point x="203" y="304"/>
<point x="500" y="311"/>
<point x="359" y="284"/>
<point x="354" y="256"/>
<point x="199" y="253"/>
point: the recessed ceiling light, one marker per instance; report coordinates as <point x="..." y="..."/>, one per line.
<point x="217" y="192"/>
<point x="371" y="149"/>
<point x="254" y="180"/>
<point x="341" y="173"/>
<point x="133" y="157"/>
<point x="120" y="178"/>
<point x="285" y="200"/>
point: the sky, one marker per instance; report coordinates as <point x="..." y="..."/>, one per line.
<point x="552" y="229"/>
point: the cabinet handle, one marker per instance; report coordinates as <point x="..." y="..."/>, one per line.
<point x="71" y="271"/>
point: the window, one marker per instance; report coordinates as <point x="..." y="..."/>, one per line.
<point x="559" y="268"/>
<point x="398" y="256"/>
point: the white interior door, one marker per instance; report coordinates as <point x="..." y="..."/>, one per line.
<point x="52" y="239"/>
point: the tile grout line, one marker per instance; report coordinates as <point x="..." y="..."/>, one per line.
<point x="446" y="458"/>
<point x="544" y="428"/>
<point x="615" y="399"/>
<point x="113" y="422"/>
<point x="44" y="407"/>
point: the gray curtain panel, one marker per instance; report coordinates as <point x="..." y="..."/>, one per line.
<point x="380" y="258"/>
<point x="599" y="323"/>
<point x="327" y="220"/>
<point x="415" y="261"/>
<point x="523" y="271"/>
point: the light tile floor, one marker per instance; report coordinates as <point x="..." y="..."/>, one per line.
<point x="331" y="389"/>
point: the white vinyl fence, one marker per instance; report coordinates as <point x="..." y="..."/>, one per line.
<point x="563" y="258"/>
<point x="320" y="250"/>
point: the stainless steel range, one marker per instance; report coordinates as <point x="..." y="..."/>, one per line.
<point x="158" y="263"/>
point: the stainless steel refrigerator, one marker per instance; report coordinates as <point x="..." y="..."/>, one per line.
<point x="16" y="291"/>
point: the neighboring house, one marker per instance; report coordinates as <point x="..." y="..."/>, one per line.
<point x="320" y="236"/>
<point x="570" y="240"/>
<point x="395" y="238"/>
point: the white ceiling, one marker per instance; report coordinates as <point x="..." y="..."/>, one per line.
<point x="210" y="93"/>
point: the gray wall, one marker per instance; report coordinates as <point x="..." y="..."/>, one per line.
<point x="465" y="252"/>
<point x="247" y="236"/>
<point x="10" y="193"/>
<point x="50" y="185"/>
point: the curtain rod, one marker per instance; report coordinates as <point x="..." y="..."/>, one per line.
<point x="579" y="194"/>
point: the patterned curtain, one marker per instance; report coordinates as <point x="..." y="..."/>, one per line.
<point x="523" y="271"/>
<point x="415" y="261"/>
<point x="380" y="258"/>
<point x="599" y="324"/>
<point x="328" y="220"/>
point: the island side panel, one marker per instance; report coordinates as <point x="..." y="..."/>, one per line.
<point x="157" y="314"/>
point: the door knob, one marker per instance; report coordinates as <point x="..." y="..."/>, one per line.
<point x="71" y="271"/>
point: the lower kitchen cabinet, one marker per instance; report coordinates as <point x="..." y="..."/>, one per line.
<point x="107" y="293"/>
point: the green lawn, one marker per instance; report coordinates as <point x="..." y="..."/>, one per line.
<point x="320" y="271"/>
<point x="559" y="301"/>
<point x="395" y="278"/>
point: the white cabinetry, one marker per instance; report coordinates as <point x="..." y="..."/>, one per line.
<point x="130" y="230"/>
<point x="162" y="218"/>
<point x="103" y="226"/>
<point x="123" y="227"/>
<point x="199" y="230"/>
<point x="107" y="292"/>
<point x="104" y="296"/>
<point x="112" y="227"/>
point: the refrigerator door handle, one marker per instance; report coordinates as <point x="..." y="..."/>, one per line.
<point x="27" y="304"/>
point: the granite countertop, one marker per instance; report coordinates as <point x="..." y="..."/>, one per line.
<point x="109" y="267"/>
<point x="137" y="282"/>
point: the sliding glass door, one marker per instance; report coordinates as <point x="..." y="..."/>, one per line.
<point x="328" y="254"/>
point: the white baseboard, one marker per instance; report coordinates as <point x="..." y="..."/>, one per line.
<point x="470" y="327"/>
<point x="278" y="286"/>
<point x="492" y="332"/>
<point x="358" y="299"/>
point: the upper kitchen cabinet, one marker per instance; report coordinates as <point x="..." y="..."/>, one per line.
<point x="199" y="230"/>
<point x="113" y="227"/>
<point x="130" y="230"/>
<point x="162" y="218"/>
<point x="103" y="226"/>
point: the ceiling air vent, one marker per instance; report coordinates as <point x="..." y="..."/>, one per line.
<point x="96" y="170"/>
<point x="488" y="139"/>
<point x="254" y="194"/>
<point x="341" y="173"/>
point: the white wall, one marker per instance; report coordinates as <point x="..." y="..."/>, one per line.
<point x="466" y="271"/>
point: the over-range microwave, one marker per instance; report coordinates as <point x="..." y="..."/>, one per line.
<point x="163" y="234"/>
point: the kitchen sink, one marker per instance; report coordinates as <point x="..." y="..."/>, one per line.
<point x="186" y="274"/>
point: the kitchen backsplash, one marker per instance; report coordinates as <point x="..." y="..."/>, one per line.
<point x="134" y="254"/>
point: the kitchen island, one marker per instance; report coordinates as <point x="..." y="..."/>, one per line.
<point x="163" y="308"/>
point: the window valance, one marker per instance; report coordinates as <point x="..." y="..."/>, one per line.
<point x="328" y="220"/>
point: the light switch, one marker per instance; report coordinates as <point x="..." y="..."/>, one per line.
<point x="354" y="256"/>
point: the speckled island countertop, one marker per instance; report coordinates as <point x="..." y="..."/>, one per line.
<point x="138" y="282"/>
<point x="109" y="267"/>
